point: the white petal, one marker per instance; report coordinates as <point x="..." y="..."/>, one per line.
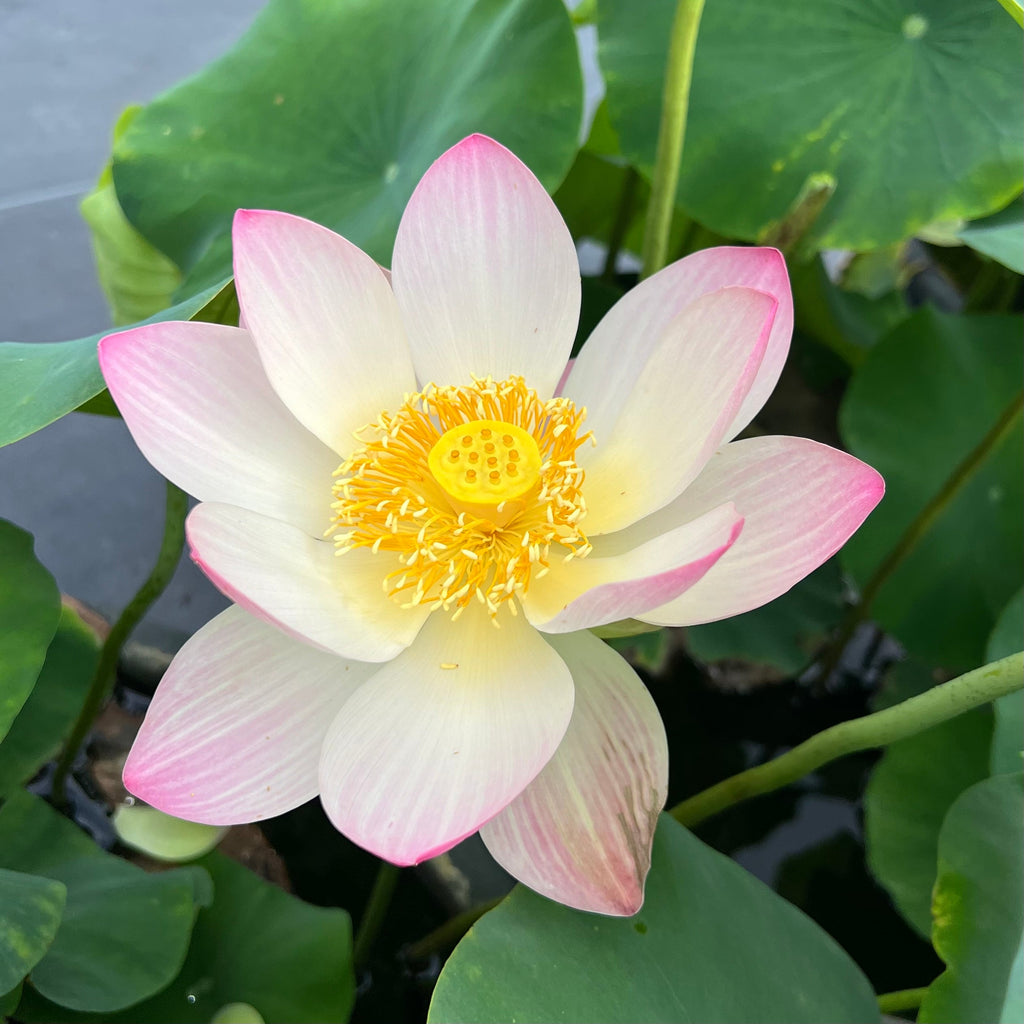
<point x="325" y="322"/>
<point x="445" y="736"/>
<point x="581" y="832"/>
<point x="618" y="582"/>
<point x="300" y="585"/>
<point x="801" y="502"/>
<point x="485" y="271"/>
<point x="627" y="334"/>
<point x="201" y="409"/>
<point x="234" y="731"/>
<point x="679" y="409"/>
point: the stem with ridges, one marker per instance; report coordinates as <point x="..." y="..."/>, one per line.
<point x="905" y="999"/>
<point x="917" y="530"/>
<point x="623" y="216"/>
<point x="671" y="134"/>
<point x="447" y="936"/>
<point x="176" y="507"/>
<point x="375" y="911"/>
<point x="912" y="716"/>
<point x="927" y="516"/>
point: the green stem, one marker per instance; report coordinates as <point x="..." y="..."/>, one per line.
<point x="171" y="546"/>
<point x="623" y="216"/>
<point x="789" y="234"/>
<point x="986" y="291"/>
<point x="931" y="512"/>
<point x="912" y="716"/>
<point x="918" y="529"/>
<point x="690" y="236"/>
<point x="906" y="999"/>
<point x="584" y="13"/>
<point x="671" y="134"/>
<point x="446" y="937"/>
<point x="376" y="910"/>
<point x="1004" y="298"/>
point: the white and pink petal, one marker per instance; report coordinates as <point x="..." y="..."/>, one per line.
<point x="678" y="410"/>
<point x="234" y="731"/>
<point x="581" y="832"/>
<point x="200" y="408"/>
<point x="299" y="584"/>
<point x="325" y="321"/>
<point x="801" y="502"/>
<point x="485" y="271"/>
<point x="617" y="582"/>
<point x="445" y="736"/>
<point x="627" y="335"/>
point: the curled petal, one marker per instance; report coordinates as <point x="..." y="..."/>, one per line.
<point x="801" y="501"/>
<point x="652" y="446"/>
<point x="618" y="584"/>
<point x="581" y="832"/>
<point x="626" y="336"/>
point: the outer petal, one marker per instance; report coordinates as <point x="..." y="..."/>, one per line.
<point x="801" y="500"/>
<point x="297" y="583"/>
<point x="234" y="731"/>
<point x="485" y="271"/>
<point x="679" y="409"/>
<point x="201" y="409"/>
<point x="589" y="592"/>
<point x="626" y="337"/>
<point x="325" y="323"/>
<point x="581" y="832"/>
<point x="444" y="736"/>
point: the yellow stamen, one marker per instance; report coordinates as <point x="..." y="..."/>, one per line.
<point x="469" y="486"/>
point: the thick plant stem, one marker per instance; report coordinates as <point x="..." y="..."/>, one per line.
<point x="376" y="910"/>
<point x="912" y="716"/>
<point x="926" y="519"/>
<point x="447" y="936"/>
<point x="623" y="216"/>
<point x="789" y="235"/>
<point x="918" y="529"/>
<point x="906" y="999"/>
<point x="671" y="134"/>
<point x="176" y="506"/>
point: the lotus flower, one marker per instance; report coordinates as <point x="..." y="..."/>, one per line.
<point x="419" y="525"/>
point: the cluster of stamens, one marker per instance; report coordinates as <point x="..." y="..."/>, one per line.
<point x="470" y="487"/>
